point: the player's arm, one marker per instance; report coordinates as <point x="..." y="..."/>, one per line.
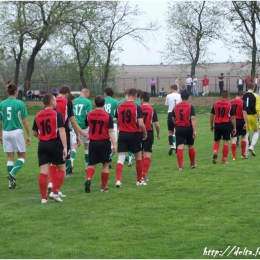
<point x="157" y="127"/>
<point x="27" y="129"/>
<point x="245" y="118"/>
<point x="211" y="118"/>
<point x="1" y="136"/>
<point x="63" y="139"/>
<point x="112" y="138"/>
<point x="194" y="126"/>
<point x="142" y="126"/>
<point x="77" y="128"/>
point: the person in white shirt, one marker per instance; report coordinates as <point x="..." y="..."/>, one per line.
<point x="256" y="82"/>
<point x="172" y="100"/>
<point x="195" y="86"/>
<point x="240" y="83"/>
<point x="189" y="83"/>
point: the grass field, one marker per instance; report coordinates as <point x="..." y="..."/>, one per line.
<point x="177" y="215"/>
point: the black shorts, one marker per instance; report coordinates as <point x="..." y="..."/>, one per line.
<point x="99" y="151"/>
<point x="184" y="135"/>
<point x="170" y="123"/>
<point x="240" y="128"/>
<point x="147" y="145"/>
<point x="68" y="145"/>
<point x="129" y="142"/>
<point x="50" y="152"/>
<point x="222" y="130"/>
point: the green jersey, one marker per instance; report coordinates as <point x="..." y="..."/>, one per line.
<point x="111" y="105"/>
<point x="122" y="100"/>
<point x="81" y="107"/>
<point x="138" y="102"/>
<point x="12" y="112"/>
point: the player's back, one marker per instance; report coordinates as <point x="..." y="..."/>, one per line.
<point x="251" y="100"/>
<point x="148" y="113"/>
<point x="81" y="107"/>
<point x="239" y="106"/>
<point x="12" y="112"/>
<point x="222" y="110"/>
<point x="110" y="106"/>
<point x="172" y="100"/>
<point x="182" y="113"/>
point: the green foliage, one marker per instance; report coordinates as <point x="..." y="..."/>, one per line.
<point x="176" y="215"/>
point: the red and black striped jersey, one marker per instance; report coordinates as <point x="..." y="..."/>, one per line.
<point x="46" y="123"/>
<point x="149" y="116"/>
<point x="223" y="110"/>
<point x="183" y="113"/>
<point x="99" y="121"/>
<point x="127" y="114"/>
<point x="65" y="107"/>
<point x="238" y="105"/>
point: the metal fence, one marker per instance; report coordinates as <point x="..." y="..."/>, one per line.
<point x="121" y="84"/>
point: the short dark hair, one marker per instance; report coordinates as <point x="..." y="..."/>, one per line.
<point x="109" y="91"/>
<point x="224" y="94"/>
<point x="99" y="101"/>
<point x="11" y="88"/>
<point x="64" y="90"/>
<point x="47" y="99"/>
<point x="71" y="97"/>
<point x="240" y="93"/>
<point x="174" y="87"/>
<point x="250" y="86"/>
<point x="139" y="92"/>
<point x="185" y="94"/>
<point x="132" y="92"/>
<point x="145" y="96"/>
<point x="126" y="91"/>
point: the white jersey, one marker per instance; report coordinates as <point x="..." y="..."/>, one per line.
<point x="172" y="100"/>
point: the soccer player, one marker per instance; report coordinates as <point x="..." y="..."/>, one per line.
<point x="253" y="113"/>
<point x="172" y="100"/>
<point x="65" y="107"/>
<point x="221" y="113"/>
<point x="12" y="113"/>
<point x="241" y="120"/>
<point x="149" y="117"/>
<point x="130" y="118"/>
<point x="82" y="106"/>
<point x="101" y="136"/>
<point x="110" y="107"/>
<point x="183" y="116"/>
<point x="48" y="126"/>
<point x="125" y="98"/>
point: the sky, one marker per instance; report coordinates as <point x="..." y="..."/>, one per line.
<point x="135" y="54"/>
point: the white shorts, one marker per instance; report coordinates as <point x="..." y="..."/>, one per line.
<point x="82" y="139"/>
<point x="73" y="139"/>
<point x="13" y="141"/>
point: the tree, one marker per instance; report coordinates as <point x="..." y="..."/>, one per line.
<point x="191" y="27"/>
<point x="119" y="23"/>
<point x="244" y="16"/>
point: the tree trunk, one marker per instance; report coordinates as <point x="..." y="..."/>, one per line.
<point x="82" y="78"/>
<point x="106" y="70"/>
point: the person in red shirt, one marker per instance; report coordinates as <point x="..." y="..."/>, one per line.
<point x="149" y="117"/>
<point x="130" y="119"/>
<point x="183" y="115"/>
<point x="101" y="131"/>
<point x="241" y="124"/>
<point x="248" y="80"/>
<point x="48" y="126"/>
<point x="222" y="112"/>
<point x="205" y="86"/>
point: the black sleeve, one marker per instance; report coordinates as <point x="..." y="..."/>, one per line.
<point x="232" y="111"/>
<point x="86" y="120"/>
<point x="155" y="117"/>
<point x="59" y="120"/>
<point x="173" y="113"/>
<point x="116" y="114"/>
<point x="244" y="105"/>
<point x="35" y="127"/>
<point x="70" y="108"/>
<point x="139" y="112"/>
<point x="212" y="110"/>
<point x="192" y="111"/>
<point x="110" y="123"/>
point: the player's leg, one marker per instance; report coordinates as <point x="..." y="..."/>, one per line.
<point x="253" y="125"/>
<point x="10" y="165"/>
<point x="111" y="155"/>
<point x="43" y="181"/>
<point x="234" y="148"/>
<point x="90" y="171"/>
<point x="171" y="134"/>
<point x="104" y="177"/>
<point x="243" y="146"/>
<point x="74" y="147"/>
<point x="217" y="138"/>
<point x="180" y="140"/>
<point x="225" y="151"/>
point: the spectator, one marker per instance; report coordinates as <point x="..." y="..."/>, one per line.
<point x="153" y="86"/>
<point x="36" y="94"/>
<point x="20" y="92"/>
<point x="29" y="94"/>
<point x="205" y="86"/>
<point x="248" y="80"/>
<point x="256" y="82"/>
<point x="162" y="93"/>
<point x="189" y="83"/>
<point x="221" y="79"/>
<point x="54" y="91"/>
<point x="42" y="94"/>
<point x="195" y="86"/>
<point x="240" y="84"/>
